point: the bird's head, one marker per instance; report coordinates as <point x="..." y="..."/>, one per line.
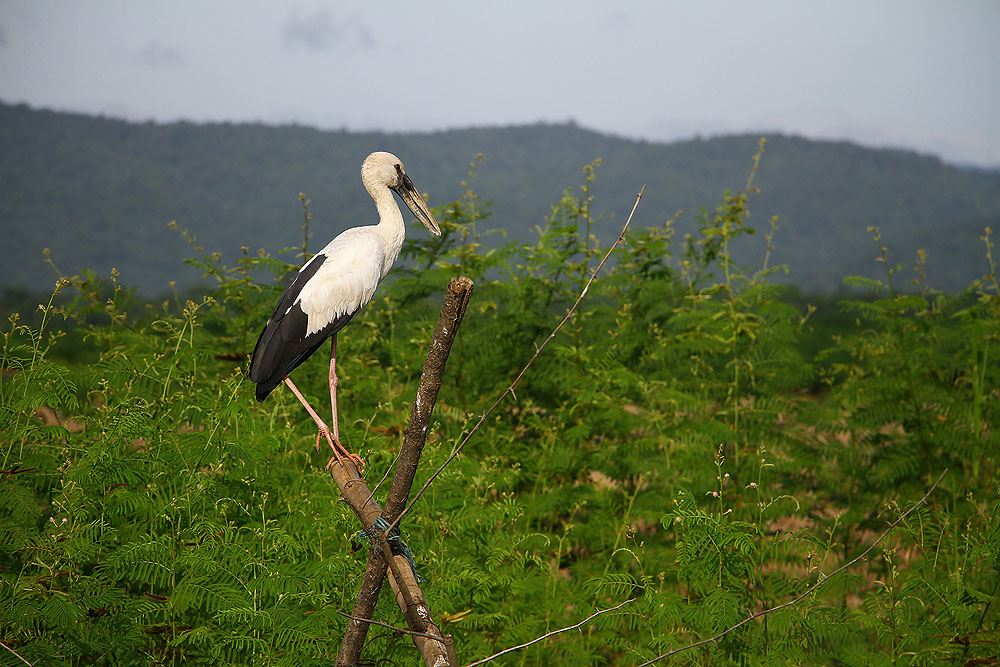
<point x="384" y="170"/>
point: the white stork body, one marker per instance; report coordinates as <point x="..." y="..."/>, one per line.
<point x="353" y="264"/>
<point x="336" y="283"/>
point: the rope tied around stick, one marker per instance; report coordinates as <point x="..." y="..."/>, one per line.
<point x="395" y="539"/>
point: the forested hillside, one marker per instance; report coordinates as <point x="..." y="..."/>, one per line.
<point x="100" y="192"/>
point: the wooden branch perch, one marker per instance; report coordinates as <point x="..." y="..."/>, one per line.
<point x="408" y="594"/>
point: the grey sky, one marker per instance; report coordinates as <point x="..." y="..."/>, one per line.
<point x="908" y="73"/>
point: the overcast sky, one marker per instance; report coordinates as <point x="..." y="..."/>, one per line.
<point x="908" y="73"/>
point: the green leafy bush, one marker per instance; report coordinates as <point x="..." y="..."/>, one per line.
<point x="676" y="444"/>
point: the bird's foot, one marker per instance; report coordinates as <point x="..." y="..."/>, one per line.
<point x="339" y="451"/>
<point x="353" y="458"/>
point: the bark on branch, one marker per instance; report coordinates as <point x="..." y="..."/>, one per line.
<point x="437" y="652"/>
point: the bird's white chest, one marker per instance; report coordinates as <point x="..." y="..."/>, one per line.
<point x="354" y="264"/>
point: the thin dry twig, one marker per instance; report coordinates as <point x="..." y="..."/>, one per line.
<point x="793" y="601"/>
<point x="549" y="634"/>
<point x="391" y="627"/>
<point x="538" y="350"/>
<point x="388" y="470"/>
<point x="16" y="653"/>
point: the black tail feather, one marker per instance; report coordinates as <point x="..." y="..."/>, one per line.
<point x="283" y="346"/>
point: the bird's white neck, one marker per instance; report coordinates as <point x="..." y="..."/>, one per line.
<point x="390" y="222"/>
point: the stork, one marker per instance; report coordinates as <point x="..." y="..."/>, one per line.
<point x="332" y="287"/>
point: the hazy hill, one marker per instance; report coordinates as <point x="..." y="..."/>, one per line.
<point x="99" y="192"/>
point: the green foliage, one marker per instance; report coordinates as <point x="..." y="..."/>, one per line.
<point x="680" y="442"/>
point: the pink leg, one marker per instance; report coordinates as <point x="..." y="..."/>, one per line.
<point x="339" y="452"/>
<point x="333" y="404"/>
<point x="333" y="384"/>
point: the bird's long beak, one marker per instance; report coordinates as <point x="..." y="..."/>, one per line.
<point x="415" y="202"/>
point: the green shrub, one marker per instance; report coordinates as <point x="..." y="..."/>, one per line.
<point x="676" y="443"/>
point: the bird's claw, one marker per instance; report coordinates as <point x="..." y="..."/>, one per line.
<point x="353" y="458"/>
<point x="339" y="451"/>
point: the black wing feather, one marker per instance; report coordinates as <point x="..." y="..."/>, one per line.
<point x="283" y="344"/>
